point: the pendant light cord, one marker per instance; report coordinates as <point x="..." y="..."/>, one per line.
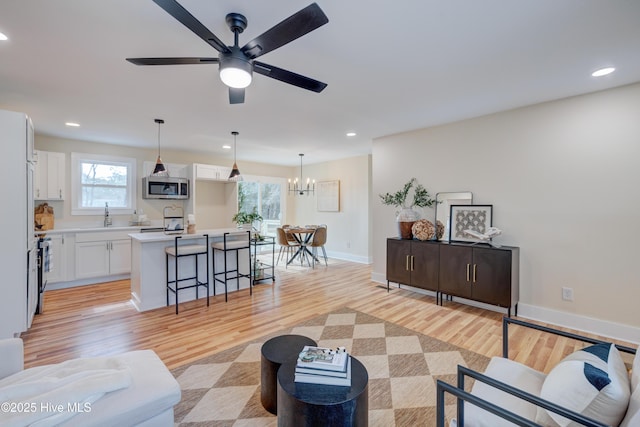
<point x="159" y="122"/>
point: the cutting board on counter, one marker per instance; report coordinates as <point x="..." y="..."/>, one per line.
<point x="43" y="216"/>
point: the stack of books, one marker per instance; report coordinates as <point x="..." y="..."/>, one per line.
<point x="319" y="365"/>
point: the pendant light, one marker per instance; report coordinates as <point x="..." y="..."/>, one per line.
<point x="159" y="170"/>
<point x="300" y="189"/>
<point x="235" y="173"/>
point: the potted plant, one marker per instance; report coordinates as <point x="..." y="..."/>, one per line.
<point x="406" y="216"/>
<point x="246" y="219"/>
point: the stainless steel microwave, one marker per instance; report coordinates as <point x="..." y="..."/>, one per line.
<point x="164" y="187"/>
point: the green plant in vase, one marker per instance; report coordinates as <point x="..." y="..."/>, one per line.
<point x="406" y="216"/>
<point x="246" y="218"/>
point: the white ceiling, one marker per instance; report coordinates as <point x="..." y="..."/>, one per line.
<point x="391" y="66"/>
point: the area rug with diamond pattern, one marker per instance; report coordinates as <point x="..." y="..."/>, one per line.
<point x="223" y="390"/>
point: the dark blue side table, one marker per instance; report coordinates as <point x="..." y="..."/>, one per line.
<point x="302" y="404"/>
<point x="274" y="352"/>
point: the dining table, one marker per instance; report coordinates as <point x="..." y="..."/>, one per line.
<point x="302" y="235"/>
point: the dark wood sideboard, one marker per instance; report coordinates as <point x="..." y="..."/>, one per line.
<point x="477" y="272"/>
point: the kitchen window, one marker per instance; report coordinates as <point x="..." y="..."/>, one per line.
<point x="266" y="196"/>
<point x="97" y="180"/>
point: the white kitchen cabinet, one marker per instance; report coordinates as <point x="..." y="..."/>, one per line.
<point x="120" y="257"/>
<point x="212" y="172"/>
<point x="102" y="254"/>
<point x="49" y="176"/>
<point x="59" y="260"/>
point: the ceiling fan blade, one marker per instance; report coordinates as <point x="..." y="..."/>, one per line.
<point x="288" y="77"/>
<point x="172" y="61"/>
<point x="236" y="96"/>
<point x="297" y="25"/>
<point x="173" y="8"/>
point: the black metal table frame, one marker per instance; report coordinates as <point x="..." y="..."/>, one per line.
<point x="255" y="243"/>
<point x="302" y="248"/>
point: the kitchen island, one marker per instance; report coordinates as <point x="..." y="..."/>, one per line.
<point x="148" y="267"/>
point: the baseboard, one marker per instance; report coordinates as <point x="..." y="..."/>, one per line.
<point x="560" y="318"/>
<point x="581" y="323"/>
<point x="378" y="278"/>
<point x="348" y="257"/>
<point x="83" y="282"/>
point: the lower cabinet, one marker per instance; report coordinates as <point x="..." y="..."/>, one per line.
<point x="96" y="257"/>
<point x="413" y="263"/>
<point x="480" y="273"/>
<point x="58" y="271"/>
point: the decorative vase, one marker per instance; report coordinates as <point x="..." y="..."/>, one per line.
<point x="406" y="217"/>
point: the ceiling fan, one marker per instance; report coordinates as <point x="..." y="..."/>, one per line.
<point x="236" y="63"/>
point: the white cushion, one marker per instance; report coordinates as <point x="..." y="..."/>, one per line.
<point x="186" y="250"/>
<point x="234" y="244"/>
<point x="593" y="382"/>
<point x="514" y="374"/>
<point x="153" y="391"/>
<point x="632" y="417"/>
<point x="635" y="371"/>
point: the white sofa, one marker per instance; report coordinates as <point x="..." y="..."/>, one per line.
<point x="147" y="400"/>
<point x="591" y="387"/>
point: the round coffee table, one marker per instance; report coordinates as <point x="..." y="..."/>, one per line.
<point x="302" y="404"/>
<point x="275" y="352"/>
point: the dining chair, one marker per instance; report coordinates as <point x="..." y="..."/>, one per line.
<point x="285" y="244"/>
<point x="289" y="236"/>
<point x="319" y="239"/>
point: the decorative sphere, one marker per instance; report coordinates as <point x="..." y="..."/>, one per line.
<point x="423" y="229"/>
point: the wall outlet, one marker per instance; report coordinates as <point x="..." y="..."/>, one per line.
<point x="348" y="245"/>
<point x="567" y="294"/>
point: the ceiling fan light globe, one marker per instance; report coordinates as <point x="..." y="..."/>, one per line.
<point x="235" y="77"/>
<point x="235" y="70"/>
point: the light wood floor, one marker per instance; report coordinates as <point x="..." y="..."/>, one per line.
<point x="100" y="320"/>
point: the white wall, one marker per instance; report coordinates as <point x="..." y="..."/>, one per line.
<point x="347" y="230"/>
<point x="563" y="179"/>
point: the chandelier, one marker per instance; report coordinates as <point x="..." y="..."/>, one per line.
<point x="297" y="187"/>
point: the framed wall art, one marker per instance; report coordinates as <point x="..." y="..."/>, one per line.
<point x="477" y="218"/>
<point x="328" y="197"/>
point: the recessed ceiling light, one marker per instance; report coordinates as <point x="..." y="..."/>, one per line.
<point x="72" y="124"/>
<point x="351" y="134"/>
<point x="226" y="147"/>
<point x="603" y="72"/>
<point x="3" y="37"/>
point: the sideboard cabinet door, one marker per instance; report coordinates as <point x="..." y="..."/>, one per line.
<point x="492" y="276"/>
<point x="413" y="263"/>
<point x="398" y="258"/>
<point x="456" y="264"/>
<point x="424" y="265"/>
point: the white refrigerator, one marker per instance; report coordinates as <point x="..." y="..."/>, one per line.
<point x="18" y="257"/>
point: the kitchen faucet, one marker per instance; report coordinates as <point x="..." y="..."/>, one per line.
<point x="107" y="218"/>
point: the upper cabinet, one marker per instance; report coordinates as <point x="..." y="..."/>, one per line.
<point x="212" y="172"/>
<point x="49" y="176"/>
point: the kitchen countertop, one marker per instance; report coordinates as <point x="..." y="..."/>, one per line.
<point x="89" y="229"/>
<point x="162" y="237"/>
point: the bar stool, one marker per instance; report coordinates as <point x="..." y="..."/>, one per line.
<point x="232" y="242"/>
<point x="179" y="251"/>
